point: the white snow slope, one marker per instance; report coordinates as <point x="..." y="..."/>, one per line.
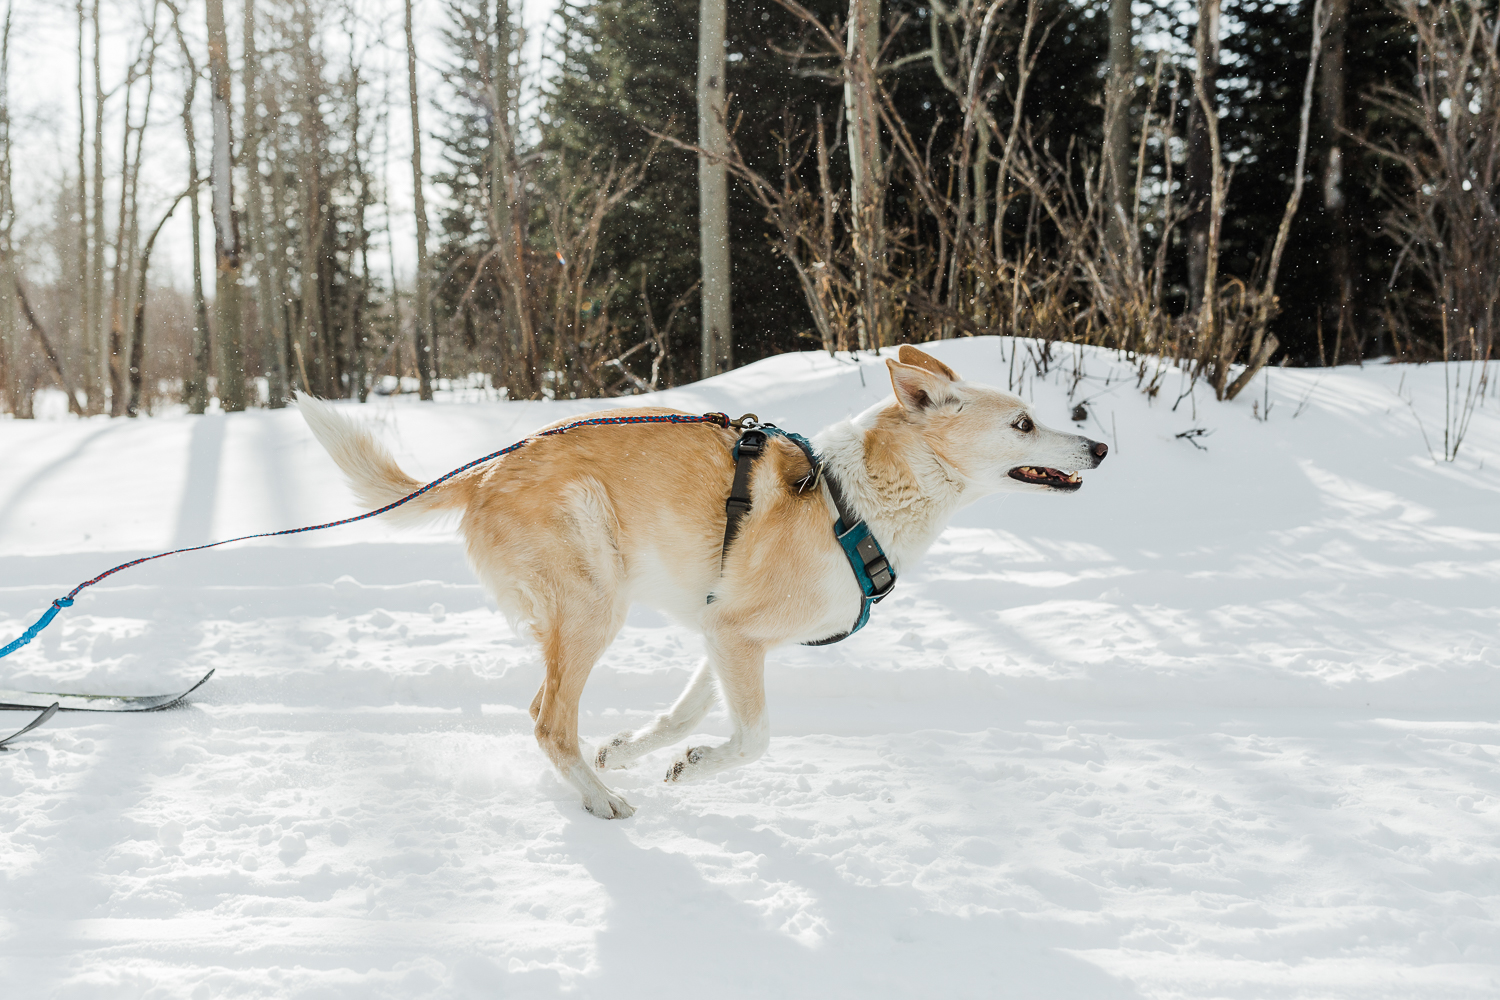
<point x="1225" y="724"/>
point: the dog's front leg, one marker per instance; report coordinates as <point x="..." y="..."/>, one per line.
<point x="740" y="666"/>
<point x="690" y="708"/>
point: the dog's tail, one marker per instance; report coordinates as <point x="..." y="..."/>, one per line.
<point x="372" y="473"/>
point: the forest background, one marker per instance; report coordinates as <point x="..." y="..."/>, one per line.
<point x="604" y="198"/>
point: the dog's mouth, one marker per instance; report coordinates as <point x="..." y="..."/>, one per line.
<point x="1050" y="478"/>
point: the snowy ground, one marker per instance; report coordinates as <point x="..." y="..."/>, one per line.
<point x="1225" y="724"/>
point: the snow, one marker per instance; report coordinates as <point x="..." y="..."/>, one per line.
<point x="1224" y="724"/>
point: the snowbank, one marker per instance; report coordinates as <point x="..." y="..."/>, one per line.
<point x="1222" y="724"/>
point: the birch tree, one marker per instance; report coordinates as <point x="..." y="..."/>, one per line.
<point x="227" y="255"/>
<point x="268" y="307"/>
<point x="93" y="390"/>
<point x="866" y="162"/>
<point x="96" y="318"/>
<point x="1117" y="91"/>
<point x="16" y="376"/>
<point x="422" y="319"/>
<point x="713" y="189"/>
<point x="196" y="389"/>
<point x="95" y="330"/>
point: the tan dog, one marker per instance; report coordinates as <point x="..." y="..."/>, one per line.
<point x="570" y="531"/>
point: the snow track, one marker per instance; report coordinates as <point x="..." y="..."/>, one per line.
<point x="1225" y="724"/>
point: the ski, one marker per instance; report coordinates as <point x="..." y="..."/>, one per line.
<point x="47" y="713"/>
<point x="95" y="702"/>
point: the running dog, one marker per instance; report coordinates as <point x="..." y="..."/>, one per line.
<point x="571" y="530"/>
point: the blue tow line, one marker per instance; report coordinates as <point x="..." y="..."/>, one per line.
<point x="720" y="419"/>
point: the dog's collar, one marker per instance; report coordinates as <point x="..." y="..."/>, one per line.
<point x="872" y="569"/>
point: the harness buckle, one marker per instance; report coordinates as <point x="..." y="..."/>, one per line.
<point x="877" y="566"/>
<point x="751" y="444"/>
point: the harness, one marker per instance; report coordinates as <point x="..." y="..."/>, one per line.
<point x="873" y="571"/>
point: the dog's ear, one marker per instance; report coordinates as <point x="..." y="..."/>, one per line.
<point x="909" y="355"/>
<point x="917" y="388"/>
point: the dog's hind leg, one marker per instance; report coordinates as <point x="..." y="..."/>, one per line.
<point x="689" y="709"/>
<point x="571" y="643"/>
<point x="740" y="666"/>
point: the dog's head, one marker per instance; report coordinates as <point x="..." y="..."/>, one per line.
<point x="988" y="436"/>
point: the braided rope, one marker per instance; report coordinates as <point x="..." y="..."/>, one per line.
<point x="720" y="419"/>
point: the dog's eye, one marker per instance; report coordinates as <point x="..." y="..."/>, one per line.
<point x="1024" y="424"/>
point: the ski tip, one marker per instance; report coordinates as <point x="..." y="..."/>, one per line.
<point x="178" y="701"/>
<point x="47" y="713"/>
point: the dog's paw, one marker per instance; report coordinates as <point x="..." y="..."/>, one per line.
<point x="684" y="768"/>
<point x="613" y="754"/>
<point x="608" y="806"/>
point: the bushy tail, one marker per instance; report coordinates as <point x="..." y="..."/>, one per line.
<point x="372" y="473"/>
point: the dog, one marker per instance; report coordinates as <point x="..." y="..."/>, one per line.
<point x="571" y="530"/>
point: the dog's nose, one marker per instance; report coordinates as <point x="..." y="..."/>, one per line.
<point x="1100" y="449"/>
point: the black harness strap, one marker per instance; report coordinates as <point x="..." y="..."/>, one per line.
<point x="749" y="448"/>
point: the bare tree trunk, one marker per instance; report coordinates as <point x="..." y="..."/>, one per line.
<point x="12" y="390"/>
<point x="313" y="323"/>
<point x="1214" y="342"/>
<point x="1332" y="122"/>
<point x="394" y="351"/>
<point x="361" y="338"/>
<point x="866" y="163"/>
<point x="276" y="244"/>
<point x="310" y="328"/>
<point x="138" y="319"/>
<point x="357" y="290"/>
<point x="227" y="254"/>
<point x="713" y="190"/>
<point x="422" y="323"/>
<point x="1201" y="162"/>
<point x="196" y="389"/>
<point x="122" y="362"/>
<point x="48" y="349"/>
<point x="92" y="389"/>
<point x="1264" y="343"/>
<point x="522" y="364"/>
<point x="268" y="308"/>
<point x="95" y="331"/>
<point x="1117" y="90"/>
<point x="118" y="277"/>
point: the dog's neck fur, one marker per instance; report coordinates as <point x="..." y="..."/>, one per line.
<point x="892" y="480"/>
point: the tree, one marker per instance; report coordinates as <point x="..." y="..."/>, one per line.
<point x="93" y="389"/>
<point x="125" y="229"/>
<point x="1118" y="88"/>
<point x="227" y="254"/>
<point x="269" y="309"/>
<point x="16" y="377"/>
<point x="95" y="332"/>
<point x="422" y="327"/>
<point x="713" y="190"/>
<point x="197" y="387"/>
<point x="1204" y="181"/>
<point x="867" y="174"/>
